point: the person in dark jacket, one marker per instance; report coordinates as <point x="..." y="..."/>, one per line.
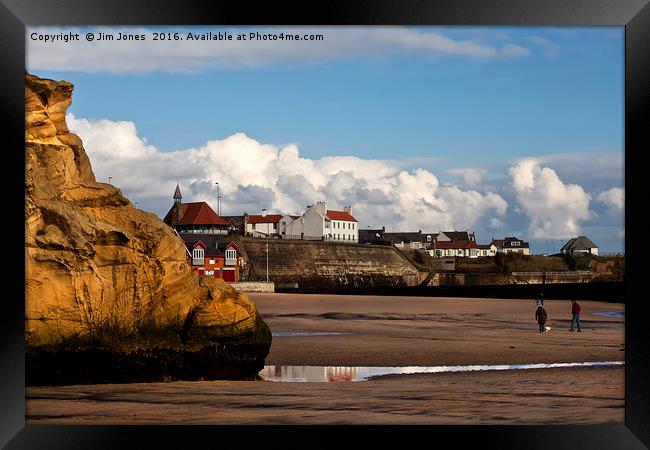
<point x="541" y="317"/>
<point x="575" y="314"/>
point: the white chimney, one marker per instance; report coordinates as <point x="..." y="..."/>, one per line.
<point x="263" y="212"/>
<point x="347" y="209"/>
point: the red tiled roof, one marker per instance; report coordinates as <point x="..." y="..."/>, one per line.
<point x="199" y="213"/>
<point x="200" y="243"/>
<point x="484" y="246"/>
<point x="294" y="217"/>
<point x="453" y="245"/>
<point x="232" y="244"/>
<point x="269" y="218"/>
<point x="340" y="215"/>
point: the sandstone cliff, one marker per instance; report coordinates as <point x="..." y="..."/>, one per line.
<point x="100" y="272"/>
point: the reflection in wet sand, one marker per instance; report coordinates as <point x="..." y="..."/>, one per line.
<point x="309" y="373"/>
<point x="616" y="314"/>
<point x="298" y="333"/>
<point x="320" y="374"/>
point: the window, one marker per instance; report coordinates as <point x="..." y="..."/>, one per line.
<point x="275" y="226"/>
<point x="231" y="257"/>
<point x="254" y="226"/>
<point x="197" y="256"/>
<point x="212" y="261"/>
<point x="514" y="243"/>
<point x="353" y="226"/>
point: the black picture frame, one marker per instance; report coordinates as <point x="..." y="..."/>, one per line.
<point x="634" y="15"/>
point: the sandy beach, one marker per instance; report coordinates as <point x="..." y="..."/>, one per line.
<point x="387" y="331"/>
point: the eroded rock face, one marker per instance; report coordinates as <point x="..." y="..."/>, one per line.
<point x="100" y="272"/>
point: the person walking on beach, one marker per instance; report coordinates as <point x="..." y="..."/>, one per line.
<point x="539" y="300"/>
<point x="575" y="314"/>
<point x="541" y="317"/>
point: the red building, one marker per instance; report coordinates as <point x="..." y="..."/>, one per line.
<point x="210" y="251"/>
<point x="213" y="256"/>
<point x="195" y="217"/>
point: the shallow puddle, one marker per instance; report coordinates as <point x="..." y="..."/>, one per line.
<point x="617" y="314"/>
<point x="291" y="333"/>
<point x="326" y="374"/>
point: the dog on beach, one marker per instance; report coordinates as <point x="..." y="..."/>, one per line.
<point x="547" y="329"/>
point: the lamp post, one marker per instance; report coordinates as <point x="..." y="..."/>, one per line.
<point x="267" y="254"/>
<point x="267" y="258"/>
<point x="218" y="200"/>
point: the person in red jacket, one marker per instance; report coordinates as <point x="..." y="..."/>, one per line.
<point x="575" y="314"/>
<point x="541" y="317"/>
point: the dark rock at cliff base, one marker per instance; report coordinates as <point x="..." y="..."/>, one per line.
<point x="105" y="280"/>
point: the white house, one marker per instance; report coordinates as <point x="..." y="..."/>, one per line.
<point x="260" y="225"/>
<point x="511" y="244"/>
<point x="486" y="249"/>
<point x="320" y="223"/>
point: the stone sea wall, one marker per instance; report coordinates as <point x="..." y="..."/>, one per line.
<point x="323" y="266"/>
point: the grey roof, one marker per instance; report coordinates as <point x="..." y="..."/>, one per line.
<point x="216" y="243"/>
<point x="506" y="242"/>
<point x="457" y="235"/>
<point x="404" y="237"/>
<point x="177" y="192"/>
<point x="579" y="243"/>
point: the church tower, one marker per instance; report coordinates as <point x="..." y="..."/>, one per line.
<point x="177" y="209"/>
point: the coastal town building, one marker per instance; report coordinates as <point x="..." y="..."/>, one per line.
<point x="459" y="244"/>
<point x="195" y="217"/>
<point x="458" y="248"/>
<point x="580" y="245"/>
<point x="486" y="249"/>
<point x="511" y="244"/>
<point x="235" y="223"/>
<point x="410" y="240"/>
<point x="213" y="256"/>
<point x="373" y="236"/>
<point x="449" y="236"/>
<point x="262" y="225"/>
<point x="320" y="223"/>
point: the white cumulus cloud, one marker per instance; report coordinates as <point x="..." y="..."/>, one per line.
<point x="472" y="177"/>
<point x="253" y="175"/>
<point x="554" y="209"/>
<point x="613" y="198"/>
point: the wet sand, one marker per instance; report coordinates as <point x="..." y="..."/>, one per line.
<point x="387" y="331"/>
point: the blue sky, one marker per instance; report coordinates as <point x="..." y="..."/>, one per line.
<point x="463" y="98"/>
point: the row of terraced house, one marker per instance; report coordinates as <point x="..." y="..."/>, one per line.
<point x="445" y="243"/>
<point x="212" y="253"/>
